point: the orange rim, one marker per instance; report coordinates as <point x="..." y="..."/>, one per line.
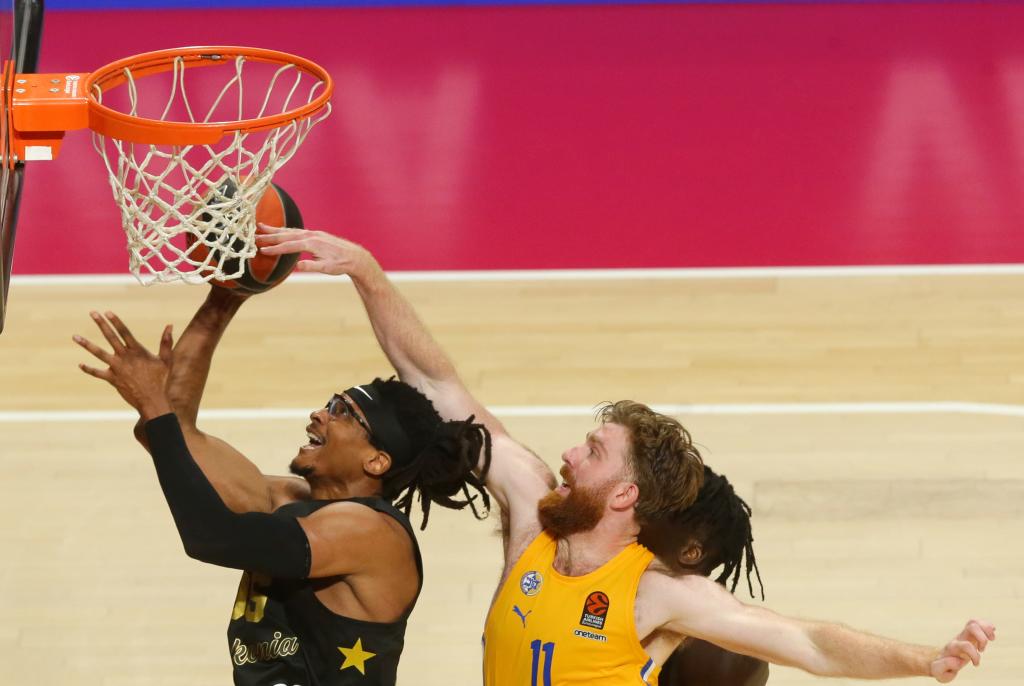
<point x="114" y="124"/>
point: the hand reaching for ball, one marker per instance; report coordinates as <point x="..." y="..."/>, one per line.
<point x="329" y="254"/>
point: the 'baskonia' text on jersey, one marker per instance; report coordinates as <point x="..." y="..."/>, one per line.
<point x="280" y="633"/>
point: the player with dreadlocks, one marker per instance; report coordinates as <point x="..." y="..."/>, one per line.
<point x="713" y="532"/>
<point x="331" y="565"/>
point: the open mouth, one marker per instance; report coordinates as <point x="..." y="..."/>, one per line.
<point x="566" y="483"/>
<point x="314" y="440"/>
<point x="564" y="486"/>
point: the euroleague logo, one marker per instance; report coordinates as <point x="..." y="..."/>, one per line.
<point x="595" y="610"/>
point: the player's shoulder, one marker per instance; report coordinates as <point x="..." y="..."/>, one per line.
<point x="663" y="598"/>
<point x="354" y="509"/>
<point x="662" y="576"/>
<point x="350" y="518"/>
<point x="658" y="584"/>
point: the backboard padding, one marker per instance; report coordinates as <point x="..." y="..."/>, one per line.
<point x="21" y="25"/>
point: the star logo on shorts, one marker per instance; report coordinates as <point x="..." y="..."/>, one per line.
<point x="356" y="656"/>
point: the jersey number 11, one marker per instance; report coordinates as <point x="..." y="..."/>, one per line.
<point x="536" y="647"/>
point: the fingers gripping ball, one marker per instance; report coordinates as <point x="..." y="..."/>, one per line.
<point x="262" y="272"/>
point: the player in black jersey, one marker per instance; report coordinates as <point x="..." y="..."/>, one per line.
<point x="331" y="566"/>
<point x="713" y="532"/>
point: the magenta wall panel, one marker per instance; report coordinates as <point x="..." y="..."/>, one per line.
<point x="630" y="136"/>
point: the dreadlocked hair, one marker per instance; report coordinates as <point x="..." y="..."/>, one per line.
<point x="719" y="521"/>
<point x="445" y="456"/>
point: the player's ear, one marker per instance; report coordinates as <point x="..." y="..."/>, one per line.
<point x="691" y="554"/>
<point x="625" y="496"/>
<point x="378" y="465"/>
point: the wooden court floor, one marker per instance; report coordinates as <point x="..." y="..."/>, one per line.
<point x="906" y="519"/>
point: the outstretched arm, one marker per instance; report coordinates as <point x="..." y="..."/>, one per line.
<point x="334" y="540"/>
<point x="703" y="609"/>
<point x="410" y="348"/>
<point x="517" y="478"/>
<point x="193" y="353"/>
<point x="237" y="480"/>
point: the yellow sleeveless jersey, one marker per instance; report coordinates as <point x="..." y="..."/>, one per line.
<point x="547" y="629"/>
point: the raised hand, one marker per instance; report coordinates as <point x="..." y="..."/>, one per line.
<point x="330" y="254"/>
<point x="139" y="376"/>
<point x="966" y="647"/>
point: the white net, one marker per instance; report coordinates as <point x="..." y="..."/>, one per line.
<point x="189" y="211"/>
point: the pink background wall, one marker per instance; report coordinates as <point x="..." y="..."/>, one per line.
<point x="609" y="136"/>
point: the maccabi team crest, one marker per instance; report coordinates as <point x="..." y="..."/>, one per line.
<point x="530" y="583"/>
<point x="595" y="610"/>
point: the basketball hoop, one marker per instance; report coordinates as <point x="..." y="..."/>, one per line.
<point x="181" y="161"/>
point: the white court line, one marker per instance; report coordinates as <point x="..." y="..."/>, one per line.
<point x="590" y="274"/>
<point x="736" y="409"/>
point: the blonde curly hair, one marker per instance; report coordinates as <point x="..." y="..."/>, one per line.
<point x="662" y="459"/>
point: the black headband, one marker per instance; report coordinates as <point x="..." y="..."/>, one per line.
<point x="387" y="432"/>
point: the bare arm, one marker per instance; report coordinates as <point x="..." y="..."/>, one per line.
<point x="238" y="481"/>
<point x="700" y="608"/>
<point x="517" y="478"/>
<point x="412" y="350"/>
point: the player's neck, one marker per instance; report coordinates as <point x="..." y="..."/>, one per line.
<point x="333" y="490"/>
<point x="584" y="552"/>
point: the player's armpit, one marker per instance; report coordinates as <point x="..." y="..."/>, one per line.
<point x="518" y="477"/>
<point x="287" y="489"/>
<point x="517" y="480"/>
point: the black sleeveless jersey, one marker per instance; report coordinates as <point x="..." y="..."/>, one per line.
<point x="281" y="634"/>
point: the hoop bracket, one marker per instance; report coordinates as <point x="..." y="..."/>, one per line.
<point x="43" y="107"/>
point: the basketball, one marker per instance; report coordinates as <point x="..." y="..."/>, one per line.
<point x="597" y="604"/>
<point x="262" y="272"/>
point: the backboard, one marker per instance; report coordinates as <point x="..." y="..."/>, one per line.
<point x="21" y="25"/>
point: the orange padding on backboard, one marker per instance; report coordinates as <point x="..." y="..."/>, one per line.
<point x="43" y="107"/>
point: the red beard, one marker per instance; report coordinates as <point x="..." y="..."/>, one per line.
<point x="579" y="511"/>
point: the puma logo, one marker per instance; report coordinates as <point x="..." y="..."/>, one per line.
<point x="515" y="608"/>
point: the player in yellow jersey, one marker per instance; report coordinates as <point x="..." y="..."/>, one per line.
<point x="712" y="534"/>
<point x="580" y="600"/>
